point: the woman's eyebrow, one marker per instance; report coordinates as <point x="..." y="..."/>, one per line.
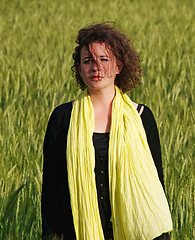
<point x="86" y="57"/>
<point x="104" y="56"/>
<point x="91" y="57"/>
<point x="97" y="56"/>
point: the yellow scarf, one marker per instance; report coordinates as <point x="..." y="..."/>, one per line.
<point x="139" y="207"/>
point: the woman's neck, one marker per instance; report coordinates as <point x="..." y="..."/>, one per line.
<point x="102" y="104"/>
<point x="102" y="97"/>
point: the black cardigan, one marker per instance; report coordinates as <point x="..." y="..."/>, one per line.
<point x="55" y="203"/>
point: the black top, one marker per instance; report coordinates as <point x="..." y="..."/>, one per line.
<point x="55" y="203"/>
<point x="101" y="141"/>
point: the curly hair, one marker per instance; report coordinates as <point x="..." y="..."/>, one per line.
<point x="126" y="56"/>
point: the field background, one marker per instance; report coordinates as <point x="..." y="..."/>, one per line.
<point x="36" y="45"/>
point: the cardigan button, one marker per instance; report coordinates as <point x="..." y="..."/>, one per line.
<point x="102" y="171"/>
<point x="101" y="185"/>
<point x="109" y="226"/>
<point x="102" y="198"/>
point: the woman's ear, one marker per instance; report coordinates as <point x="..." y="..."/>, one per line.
<point x="119" y="68"/>
<point x="79" y="69"/>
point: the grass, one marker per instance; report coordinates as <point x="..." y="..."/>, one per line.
<point x="36" y="44"/>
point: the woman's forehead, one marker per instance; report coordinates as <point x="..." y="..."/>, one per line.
<point x="97" y="49"/>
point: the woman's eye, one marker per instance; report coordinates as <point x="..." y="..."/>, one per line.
<point x="87" y="61"/>
<point x="104" y="59"/>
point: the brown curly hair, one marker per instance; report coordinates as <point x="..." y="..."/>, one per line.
<point x="126" y="56"/>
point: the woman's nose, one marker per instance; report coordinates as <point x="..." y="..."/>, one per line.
<point x="95" y="66"/>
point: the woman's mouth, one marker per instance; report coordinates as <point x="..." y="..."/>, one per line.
<point x="96" y="78"/>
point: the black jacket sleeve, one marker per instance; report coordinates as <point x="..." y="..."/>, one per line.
<point x="151" y="130"/>
<point x="55" y="201"/>
<point x="50" y="186"/>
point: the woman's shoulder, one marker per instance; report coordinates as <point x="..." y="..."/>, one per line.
<point x="145" y="112"/>
<point x="61" y="114"/>
<point x="60" y="109"/>
<point x="147" y="118"/>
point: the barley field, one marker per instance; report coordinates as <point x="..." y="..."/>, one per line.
<point x="36" y="46"/>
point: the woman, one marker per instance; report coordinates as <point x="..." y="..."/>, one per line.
<point x="102" y="173"/>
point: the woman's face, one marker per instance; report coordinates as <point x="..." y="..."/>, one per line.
<point x="98" y="67"/>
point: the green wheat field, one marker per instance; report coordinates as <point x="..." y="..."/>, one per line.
<point x="36" y="46"/>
